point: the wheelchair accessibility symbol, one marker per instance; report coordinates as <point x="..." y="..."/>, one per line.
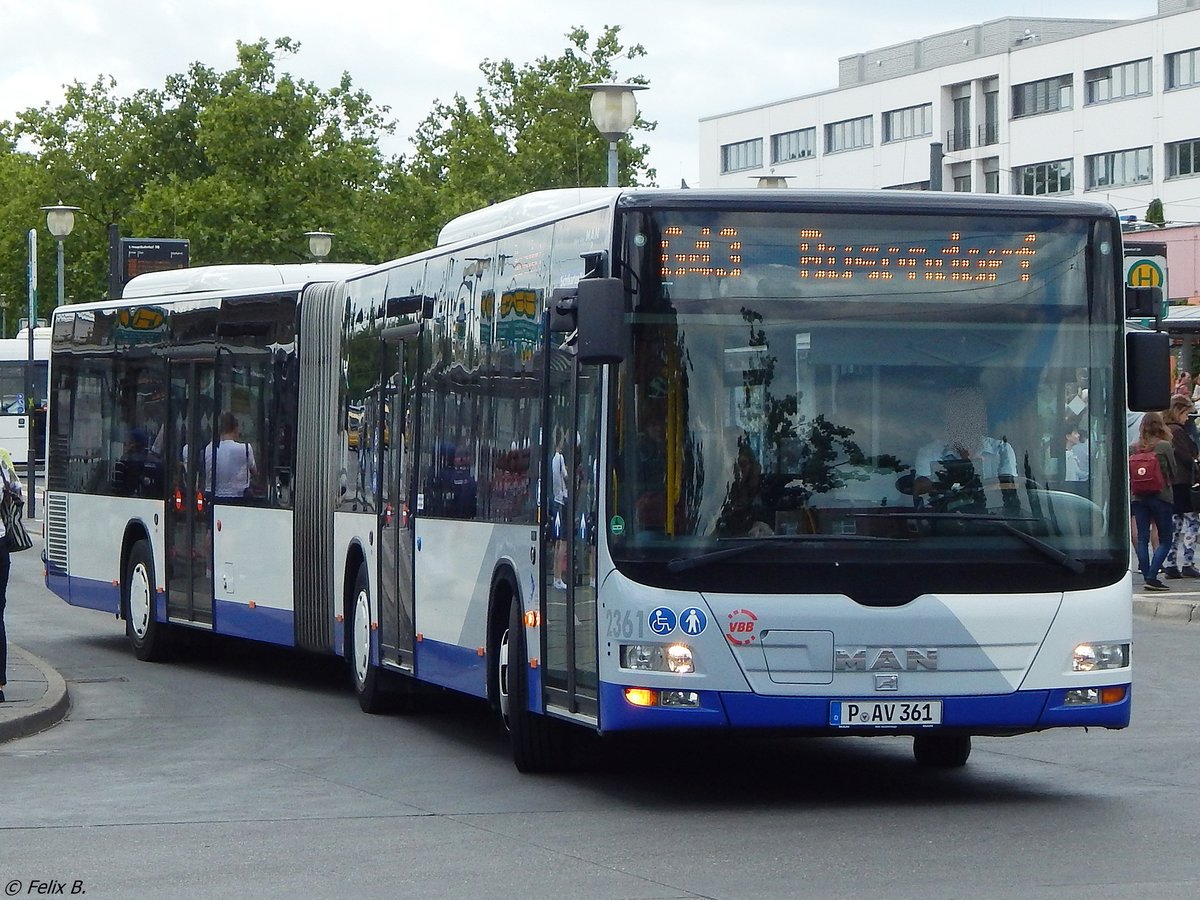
<point x="662" y="620"/>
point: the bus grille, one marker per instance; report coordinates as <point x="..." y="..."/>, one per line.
<point x="56" y="530"/>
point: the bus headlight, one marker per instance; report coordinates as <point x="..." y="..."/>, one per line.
<point x="1094" y="657"/>
<point x="674" y="658"/>
<point x="679" y="659"/>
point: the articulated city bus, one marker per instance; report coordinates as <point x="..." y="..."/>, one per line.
<point x="639" y="460"/>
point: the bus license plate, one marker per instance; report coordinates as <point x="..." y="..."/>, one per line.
<point x="882" y="713"/>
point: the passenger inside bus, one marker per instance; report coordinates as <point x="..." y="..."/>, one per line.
<point x="235" y="468"/>
<point x="952" y="470"/>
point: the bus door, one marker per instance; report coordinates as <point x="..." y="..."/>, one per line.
<point x="398" y="417"/>
<point x="189" y="429"/>
<point x="571" y="418"/>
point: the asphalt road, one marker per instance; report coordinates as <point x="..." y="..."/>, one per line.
<point x="248" y="771"/>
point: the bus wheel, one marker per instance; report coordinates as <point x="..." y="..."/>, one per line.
<point x="539" y="744"/>
<point x="366" y="676"/>
<point x="942" y="751"/>
<point x="148" y="637"/>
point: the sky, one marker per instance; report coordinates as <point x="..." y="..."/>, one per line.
<point x="702" y="57"/>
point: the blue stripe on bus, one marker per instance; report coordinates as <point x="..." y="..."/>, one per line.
<point x="262" y="623"/>
<point x="1020" y="710"/>
<point x="451" y="666"/>
<point x="86" y="593"/>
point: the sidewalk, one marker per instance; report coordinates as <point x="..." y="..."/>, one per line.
<point x="35" y="699"/>
<point x="1180" y="604"/>
<point x="36" y="695"/>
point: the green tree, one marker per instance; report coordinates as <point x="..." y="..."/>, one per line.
<point x="1154" y="213"/>
<point x="20" y="197"/>
<point x="240" y="163"/>
<point x="528" y="128"/>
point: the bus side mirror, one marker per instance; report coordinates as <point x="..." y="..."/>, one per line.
<point x="1143" y="302"/>
<point x="600" y="311"/>
<point x="1148" y="370"/>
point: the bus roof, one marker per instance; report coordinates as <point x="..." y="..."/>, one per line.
<point x="219" y="278"/>
<point x="18" y="347"/>
<point x="525" y="208"/>
<point x="539" y="206"/>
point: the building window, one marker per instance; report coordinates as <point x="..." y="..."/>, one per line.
<point x="742" y="155"/>
<point x="848" y="135"/>
<point x="1131" y="79"/>
<point x="1183" y="69"/>
<point x="1044" y="178"/>
<point x="989" y="131"/>
<point x="791" y="145"/>
<point x="991" y="175"/>
<point x="1104" y="170"/>
<point x="910" y="122"/>
<point x="1183" y="158"/>
<point x="1036" y="97"/>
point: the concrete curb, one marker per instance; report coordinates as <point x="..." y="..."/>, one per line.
<point x="38" y="714"/>
<point x="1182" y="608"/>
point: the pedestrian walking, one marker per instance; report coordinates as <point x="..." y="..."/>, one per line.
<point x="1153" y="508"/>
<point x="11" y="485"/>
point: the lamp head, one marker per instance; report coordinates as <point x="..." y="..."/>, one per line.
<point x="319" y="243"/>
<point x="60" y="220"/>
<point x="614" y="108"/>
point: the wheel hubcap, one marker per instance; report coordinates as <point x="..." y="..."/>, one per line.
<point x="362" y="638"/>
<point x="502" y="676"/>
<point x="140" y="602"/>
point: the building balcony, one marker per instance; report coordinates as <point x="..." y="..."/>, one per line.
<point x="958" y="139"/>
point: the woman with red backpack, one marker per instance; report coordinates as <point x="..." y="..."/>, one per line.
<point x="1153" y="446"/>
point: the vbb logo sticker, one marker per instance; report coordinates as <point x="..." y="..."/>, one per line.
<point x="740" y="629"/>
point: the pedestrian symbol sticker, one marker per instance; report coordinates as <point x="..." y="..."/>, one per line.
<point x="662" y="620"/>
<point x="693" y="621"/>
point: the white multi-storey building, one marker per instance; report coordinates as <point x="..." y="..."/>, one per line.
<point x="1096" y="108"/>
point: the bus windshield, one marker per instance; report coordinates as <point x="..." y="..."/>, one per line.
<point x="825" y="387"/>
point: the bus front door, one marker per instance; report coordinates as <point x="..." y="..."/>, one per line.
<point x="569" y="498"/>
<point x="189" y="551"/>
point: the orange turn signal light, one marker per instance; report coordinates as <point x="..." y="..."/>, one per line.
<point x="1112" y="694"/>
<point x="641" y="696"/>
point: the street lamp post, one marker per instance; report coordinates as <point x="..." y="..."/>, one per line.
<point x="614" y="110"/>
<point x="60" y="222"/>
<point x="319" y="244"/>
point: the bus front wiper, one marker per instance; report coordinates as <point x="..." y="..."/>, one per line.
<point x="746" y="544"/>
<point x="1047" y="550"/>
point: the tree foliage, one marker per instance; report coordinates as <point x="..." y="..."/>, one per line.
<point x="241" y="163"/>
<point x="527" y="128"/>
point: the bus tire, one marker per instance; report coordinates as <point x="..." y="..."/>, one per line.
<point x="539" y="744"/>
<point x="149" y="638"/>
<point x="367" y="682"/>
<point x="942" y="751"/>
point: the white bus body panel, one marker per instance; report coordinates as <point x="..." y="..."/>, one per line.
<point x="454" y="564"/>
<point x="252" y="556"/>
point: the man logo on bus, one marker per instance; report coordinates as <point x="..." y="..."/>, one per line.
<point x="740" y="629"/>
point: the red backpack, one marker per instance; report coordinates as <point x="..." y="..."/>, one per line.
<point x="1145" y="474"/>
